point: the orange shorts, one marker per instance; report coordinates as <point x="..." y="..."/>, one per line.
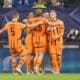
<point x="29" y="44"/>
<point x="39" y="43"/>
<point x="17" y="47"/>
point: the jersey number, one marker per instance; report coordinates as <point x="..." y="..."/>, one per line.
<point x="12" y="31"/>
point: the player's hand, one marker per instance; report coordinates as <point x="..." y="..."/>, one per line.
<point x="1" y="31"/>
<point x="24" y="21"/>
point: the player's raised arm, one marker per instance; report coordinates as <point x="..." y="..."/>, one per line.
<point x="3" y="29"/>
<point x="34" y="24"/>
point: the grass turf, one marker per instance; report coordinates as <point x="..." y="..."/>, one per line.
<point x="6" y="76"/>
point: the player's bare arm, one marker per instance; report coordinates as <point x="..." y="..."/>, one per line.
<point x="1" y="31"/>
<point x="34" y="24"/>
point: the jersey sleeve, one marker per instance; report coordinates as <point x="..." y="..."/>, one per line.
<point x="61" y="28"/>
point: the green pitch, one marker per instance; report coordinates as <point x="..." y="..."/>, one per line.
<point x="4" y="76"/>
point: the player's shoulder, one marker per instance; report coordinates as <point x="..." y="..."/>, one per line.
<point x="59" y="20"/>
<point x="8" y="24"/>
<point x="12" y="22"/>
<point x="19" y="23"/>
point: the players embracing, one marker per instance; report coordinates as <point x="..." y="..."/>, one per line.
<point x="44" y="33"/>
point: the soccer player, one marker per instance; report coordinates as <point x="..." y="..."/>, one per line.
<point x="31" y="24"/>
<point x="29" y="44"/>
<point x="14" y="30"/>
<point x="56" y="32"/>
<point x="45" y="15"/>
<point x="39" y="40"/>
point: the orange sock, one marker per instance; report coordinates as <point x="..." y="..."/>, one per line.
<point x="22" y="61"/>
<point x="28" y="64"/>
<point x="54" y="63"/>
<point x="14" y="66"/>
<point x="59" y="61"/>
<point x="14" y="62"/>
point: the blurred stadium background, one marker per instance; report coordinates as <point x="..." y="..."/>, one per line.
<point x="68" y="11"/>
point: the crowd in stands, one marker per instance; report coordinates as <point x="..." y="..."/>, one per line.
<point x="35" y="3"/>
<point x="72" y="36"/>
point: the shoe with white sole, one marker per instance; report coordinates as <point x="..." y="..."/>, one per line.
<point x="19" y="70"/>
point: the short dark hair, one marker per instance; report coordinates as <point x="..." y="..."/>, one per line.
<point x="53" y="11"/>
<point x="15" y="14"/>
<point x="39" y="12"/>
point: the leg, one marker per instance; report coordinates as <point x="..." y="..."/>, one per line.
<point x="39" y="62"/>
<point x="22" y="61"/>
<point x="32" y="62"/>
<point x="35" y="62"/>
<point x="40" y="59"/>
<point x="59" y="60"/>
<point x="42" y="66"/>
<point x="54" y="64"/>
<point x="14" y="62"/>
<point x="28" y="64"/>
<point x="59" y="56"/>
<point x="59" y="52"/>
<point x="29" y="47"/>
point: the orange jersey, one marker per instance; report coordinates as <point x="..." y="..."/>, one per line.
<point x="14" y="30"/>
<point x="29" y="36"/>
<point x="39" y="36"/>
<point x="60" y="33"/>
<point x="57" y="30"/>
<point x="59" y="27"/>
<point x="29" y="29"/>
<point x="41" y="29"/>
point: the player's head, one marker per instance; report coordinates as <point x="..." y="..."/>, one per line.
<point x="46" y="14"/>
<point x="53" y="14"/>
<point x="15" y="16"/>
<point x="31" y="14"/>
<point x="38" y="12"/>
